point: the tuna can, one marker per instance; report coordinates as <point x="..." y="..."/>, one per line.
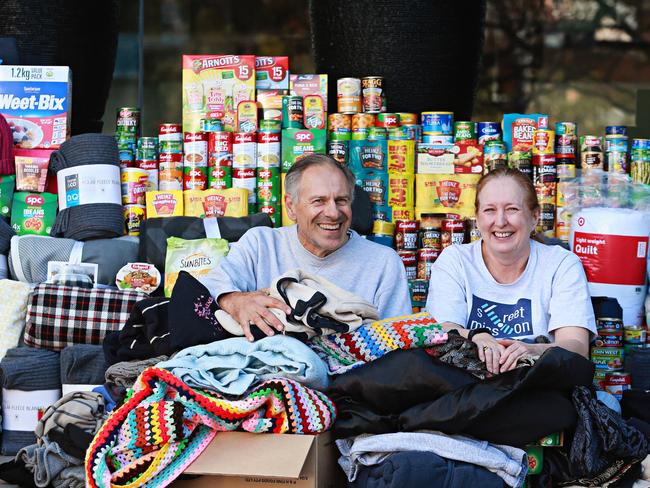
<point x="128" y="123"/>
<point x="372" y="89"/>
<point x="348" y="93"/>
<point x="314" y="112"/>
<point x="406" y="118"/>
<point x="452" y="232"/>
<point x="488" y="131"/>
<point x="338" y="150"/>
<point x="270" y="125"/>
<point x="616" y="154"/>
<point x="634" y="334"/>
<point x="274" y="211"/>
<point x="219" y="149"/>
<point x="170" y="138"/>
<point x="244" y="151"/>
<point x="419" y="290"/>
<point x="494" y="155"/>
<point x="127" y="158"/>
<point x="543" y="142"/>
<point x="387" y="120"/>
<point x="618" y="130"/>
<point x="170" y="171"/>
<point x="591" y="153"/>
<point x="339" y="122"/>
<point x="438" y="123"/>
<point x="220" y="177"/>
<point x="134" y="215"/>
<point x="246" y="178"/>
<point x="268" y="186"/>
<point x="292" y="112"/>
<point x="134" y="186"/>
<point x="147" y="148"/>
<point x="211" y="125"/>
<point x="617" y="383"/>
<point x="426" y="257"/>
<point x="430" y="231"/>
<point x="363" y="121"/>
<point x="472" y="234"/>
<point x="608" y="338"/>
<point x="437" y="139"/>
<point x="406" y="235"/>
<point x="410" y="262"/>
<point x="151" y="167"/>
<point x="268" y="150"/>
<point x="609" y="324"/>
<point x="544" y="170"/>
<point x="464" y="130"/>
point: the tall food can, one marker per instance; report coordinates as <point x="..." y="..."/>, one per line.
<point x="170" y="171"/>
<point x="170" y="138"/>
<point x="373" y="94"/>
<point x="246" y="178"/>
<point x="220" y="149"/>
<point x="127" y="128"/>
<point x="488" y="131"/>
<point x="195" y="161"/>
<point x="220" y="177"/>
<point x="348" y="92"/>
<point x="268" y="186"/>
<point x="293" y="112"/>
<point x="244" y="150"/>
<point x="151" y="167"/>
<point x="134" y="186"/>
<point x="640" y="161"/>
<point x="591" y="153"/>
<point x="452" y="232"/>
<point x="268" y="150"/>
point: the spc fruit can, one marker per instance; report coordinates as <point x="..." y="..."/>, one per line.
<point x="220" y="177"/>
<point x="134" y="186"/>
<point x="268" y="185"/>
<point x="438" y="123"/>
<point x="244" y="151"/>
<point x="363" y="121"/>
<point x="372" y="89"/>
<point x="293" y="112"/>
<point x="617" y="383"/>
<point x="426" y="257"/>
<point x="246" y="178"/>
<point x="268" y="150"/>
<point x="410" y="262"/>
<point x="220" y="149"/>
<point x="452" y="232"/>
<point x="134" y="215"/>
<point x="406" y="235"/>
<point x="170" y="171"/>
<point x="464" y="130"/>
<point x="387" y="120"/>
<point x="339" y="122"/>
<point x="348" y="94"/>
<point x="488" y="131"/>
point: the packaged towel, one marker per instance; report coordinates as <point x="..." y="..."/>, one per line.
<point x="13" y="310"/>
<point x="318" y="307"/>
<point x="30" y="382"/>
<point x="30" y="254"/>
<point x="82" y="367"/>
<point x="60" y="316"/>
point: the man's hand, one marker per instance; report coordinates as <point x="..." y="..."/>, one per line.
<point x="249" y="308"/>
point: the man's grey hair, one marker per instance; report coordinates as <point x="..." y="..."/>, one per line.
<point x="292" y="180"/>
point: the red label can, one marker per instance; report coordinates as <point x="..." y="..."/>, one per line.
<point x="406" y="235"/>
<point x="426" y="257"/>
<point x="452" y="232"/>
<point x="387" y="120"/>
<point x="245" y="178"/>
<point x="219" y="149"/>
<point x="410" y="262"/>
<point x="616" y="383"/>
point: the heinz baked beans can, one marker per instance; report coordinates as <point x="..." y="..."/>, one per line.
<point x="348" y="92"/>
<point x="220" y="149"/>
<point x="372" y="89"/>
<point x="170" y="171"/>
<point x="426" y="257"/>
<point x="244" y="151"/>
<point x="338" y="150"/>
<point x="134" y="215"/>
<point x="220" y="177"/>
<point x="339" y="122"/>
<point x="452" y="232"/>
<point x="543" y="142"/>
<point x="293" y="112"/>
<point x="406" y="235"/>
<point x="409" y="259"/>
<point x="134" y="186"/>
<point x="246" y="178"/>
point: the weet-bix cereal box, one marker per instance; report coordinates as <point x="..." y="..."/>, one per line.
<point x="36" y="102"/>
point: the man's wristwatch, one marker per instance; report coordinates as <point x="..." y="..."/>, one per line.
<point x="480" y="330"/>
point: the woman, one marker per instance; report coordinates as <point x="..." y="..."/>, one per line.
<point x="507" y="288"/>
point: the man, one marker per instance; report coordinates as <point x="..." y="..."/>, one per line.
<point x="319" y="199"/>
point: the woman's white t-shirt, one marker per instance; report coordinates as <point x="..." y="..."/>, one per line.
<point x="551" y="293"/>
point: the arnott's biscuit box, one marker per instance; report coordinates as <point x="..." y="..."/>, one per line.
<point x="35" y="100"/>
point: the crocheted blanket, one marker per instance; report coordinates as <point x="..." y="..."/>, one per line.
<point x="369" y="342"/>
<point x="165" y="425"/>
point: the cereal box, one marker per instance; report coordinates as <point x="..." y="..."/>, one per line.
<point x="213" y="87"/>
<point x="304" y="85"/>
<point x="297" y="143"/>
<point x="272" y="72"/>
<point x="31" y="169"/>
<point x="35" y="100"/>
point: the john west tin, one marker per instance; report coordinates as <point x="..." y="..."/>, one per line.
<point x="406" y="235"/>
<point x="609" y="338"/>
<point x="438" y="123"/>
<point x="609" y="324"/>
<point x="488" y="131"/>
<point x="372" y="89"/>
<point x="292" y="112"/>
<point x="410" y="262"/>
<point x="426" y="257"/>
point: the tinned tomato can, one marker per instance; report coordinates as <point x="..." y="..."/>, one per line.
<point x="372" y="88"/>
<point x="426" y="257"/>
<point x="618" y="382"/>
<point x="406" y="235"/>
<point x="410" y="262"/>
<point x="452" y="232"/>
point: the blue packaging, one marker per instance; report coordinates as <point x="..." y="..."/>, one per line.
<point x="441" y="123"/>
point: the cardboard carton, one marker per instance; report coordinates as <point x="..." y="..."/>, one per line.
<point x="244" y="460"/>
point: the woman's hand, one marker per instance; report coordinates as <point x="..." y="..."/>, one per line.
<point x="513" y="351"/>
<point x="489" y="351"/>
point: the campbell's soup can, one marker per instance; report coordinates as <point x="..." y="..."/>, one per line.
<point x="544" y="169"/>
<point x="438" y="123"/>
<point x="406" y="235"/>
<point x="339" y="122"/>
<point x="472" y="234"/>
<point x="170" y="138"/>
<point x="268" y="186"/>
<point x="273" y="210"/>
<point x="372" y="89"/>
<point x="246" y="178"/>
<point x="426" y="257"/>
<point x="348" y="92"/>
<point x="220" y="148"/>
<point x="363" y="121"/>
<point x="488" y="131"/>
<point x="134" y="186"/>
<point x="195" y="149"/>
<point x="268" y="150"/>
<point x="618" y="382"/>
<point x="220" y="177"/>
<point x="134" y="215"/>
<point x="170" y="171"/>
<point x="409" y="259"/>
<point x="452" y="232"/>
<point x="387" y="120"/>
<point x="244" y="150"/>
<point x="151" y="167"/>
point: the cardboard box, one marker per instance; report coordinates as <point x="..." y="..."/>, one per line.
<point x="244" y="460"/>
<point x="304" y="85"/>
<point x="272" y="73"/>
